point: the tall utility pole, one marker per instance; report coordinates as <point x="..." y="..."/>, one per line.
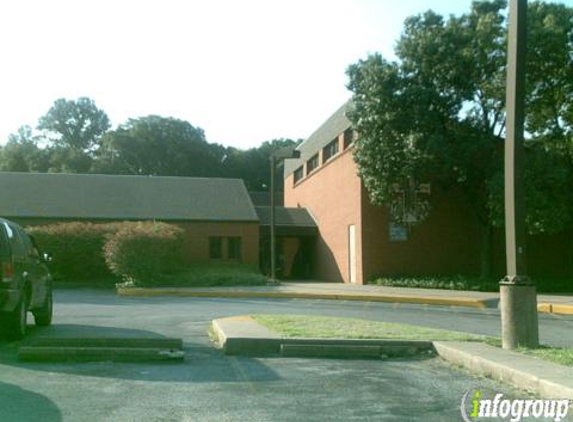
<point x="518" y="298"/>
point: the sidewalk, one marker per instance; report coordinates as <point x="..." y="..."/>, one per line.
<point x="558" y="304"/>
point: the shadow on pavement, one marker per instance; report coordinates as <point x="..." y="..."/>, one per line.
<point x="19" y="405"/>
<point x="202" y="363"/>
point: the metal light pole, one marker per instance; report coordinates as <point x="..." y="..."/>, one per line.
<point x="273" y="278"/>
<point x="518" y="298"/>
<point x="280" y="154"/>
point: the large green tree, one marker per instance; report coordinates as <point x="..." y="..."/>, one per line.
<point x="158" y="146"/>
<point x="76" y="124"/>
<point x="437" y="113"/>
<point x="71" y="131"/>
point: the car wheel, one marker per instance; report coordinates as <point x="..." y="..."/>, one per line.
<point x="43" y="315"/>
<point x="17" y="320"/>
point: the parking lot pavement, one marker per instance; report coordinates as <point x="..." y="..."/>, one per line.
<point x="209" y="386"/>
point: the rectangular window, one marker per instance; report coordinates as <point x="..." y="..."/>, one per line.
<point x="216" y="248"/>
<point x="298" y="174"/>
<point x="348" y="137"/>
<point x="330" y="150"/>
<point x="311" y="164"/>
<point x="234" y="248"/>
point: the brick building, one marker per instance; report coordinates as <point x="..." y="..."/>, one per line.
<point x="220" y="220"/>
<point x="357" y="241"/>
<point x="218" y="217"/>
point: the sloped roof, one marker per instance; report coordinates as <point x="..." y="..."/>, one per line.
<point x="330" y="129"/>
<point x="261" y="198"/>
<point x="124" y="197"/>
<point x="286" y="217"/>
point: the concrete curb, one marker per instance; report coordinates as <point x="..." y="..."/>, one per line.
<point x="99" y="349"/>
<point x="542" y="378"/>
<point x="155" y="343"/>
<point x="423" y="300"/>
<point x="555" y="308"/>
<point x="97" y="354"/>
<point x="249" y="338"/>
<point x="244" y="336"/>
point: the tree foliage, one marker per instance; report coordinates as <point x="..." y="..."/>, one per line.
<point x="75" y="124"/>
<point x="22" y="153"/>
<point x="157" y="146"/>
<point x="437" y="114"/>
<point x="74" y="136"/>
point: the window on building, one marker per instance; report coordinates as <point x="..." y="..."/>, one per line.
<point x="312" y="164"/>
<point x="234" y="249"/>
<point x="330" y="150"/>
<point x="348" y="137"/>
<point x="298" y="174"/>
<point x="216" y="247"/>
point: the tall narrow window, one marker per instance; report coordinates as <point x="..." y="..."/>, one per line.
<point x="311" y="164"/>
<point x="348" y="138"/>
<point x="298" y="174"/>
<point x="216" y="247"/>
<point x="329" y="150"/>
<point x="234" y="248"/>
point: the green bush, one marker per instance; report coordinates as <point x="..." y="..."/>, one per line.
<point x="459" y="282"/>
<point x="76" y="249"/>
<point x="440" y="282"/>
<point x="205" y="275"/>
<point x="144" y="253"/>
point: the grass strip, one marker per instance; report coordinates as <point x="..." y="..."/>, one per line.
<point x="305" y="326"/>
<point x="349" y="328"/>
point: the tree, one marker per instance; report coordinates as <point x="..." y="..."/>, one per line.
<point x="75" y="124"/>
<point x="438" y="114"/>
<point x="21" y="153"/>
<point x="158" y="146"/>
<point x="253" y="165"/>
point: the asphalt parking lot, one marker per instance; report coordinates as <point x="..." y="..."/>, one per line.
<point x="209" y="386"/>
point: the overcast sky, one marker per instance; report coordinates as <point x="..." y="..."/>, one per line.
<point x="245" y="71"/>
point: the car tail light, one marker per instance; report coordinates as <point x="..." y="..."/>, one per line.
<point x="7" y="271"/>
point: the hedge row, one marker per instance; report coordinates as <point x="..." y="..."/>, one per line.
<point x="138" y="252"/>
<point x="76" y="248"/>
<point x="144" y="253"/>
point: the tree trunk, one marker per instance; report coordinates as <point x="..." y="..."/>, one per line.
<point x="486" y="234"/>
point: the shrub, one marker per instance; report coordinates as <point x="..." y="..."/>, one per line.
<point x="205" y="275"/>
<point x="144" y="253"/>
<point x="76" y="249"/>
<point x="440" y="282"/>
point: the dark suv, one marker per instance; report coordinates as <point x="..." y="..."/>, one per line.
<point x="25" y="282"/>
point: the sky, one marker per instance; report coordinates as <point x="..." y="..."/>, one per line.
<point x="244" y="71"/>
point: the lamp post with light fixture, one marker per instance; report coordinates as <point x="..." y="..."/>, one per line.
<point x="278" y="155"/>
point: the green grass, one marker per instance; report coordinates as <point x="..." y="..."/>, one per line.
<point x="302" y="326"/>
<point x="206" y="275"/>
<point x="331" y="327"/>
<point x="551" y="354"/>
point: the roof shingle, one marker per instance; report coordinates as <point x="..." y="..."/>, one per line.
<point x="80" y="196"/>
